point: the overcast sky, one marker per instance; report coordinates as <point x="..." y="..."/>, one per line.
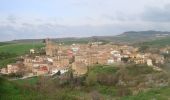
<point x="21" y="19"/>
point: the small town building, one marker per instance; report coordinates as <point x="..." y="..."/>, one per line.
<point x="79" y="68"/>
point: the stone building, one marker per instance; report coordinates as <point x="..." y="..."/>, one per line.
<point x="14" y="68"/>
<point x="40" y="68"/>
<point x="51" y="48"/>
<point x="79" y="68"/>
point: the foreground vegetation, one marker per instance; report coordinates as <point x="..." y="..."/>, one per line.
<point x="102" y="82"/>
<point x="153" y="94"/>
<point x="11" y="91"/>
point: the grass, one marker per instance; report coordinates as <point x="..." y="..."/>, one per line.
<point x="106" y="90"/>
<point x="11" y="91"/>
<point x="4" y="62"/>
<point x="136" y="70"/>
<point x="31" y="81"/>
<point x="153" y="94"/>
<point x="156" y="43"/>
<point x="16" y="90"/>
<point x="20" y="48"/>
<point x="110" y="69"/>
<point x="4" y="43"/>
<point x="9" y="52"/>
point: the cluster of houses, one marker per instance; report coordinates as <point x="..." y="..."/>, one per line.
<point x="78" y="58"/>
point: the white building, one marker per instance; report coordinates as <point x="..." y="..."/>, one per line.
<point x="149" y="62"/>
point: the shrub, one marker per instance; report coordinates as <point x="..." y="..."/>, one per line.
<point x="95" y="95"/>
<point x="123" y="91"/>
<point x="91" y="79"/>
<point x="107" y="79"/>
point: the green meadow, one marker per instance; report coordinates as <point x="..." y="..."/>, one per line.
<point x="9" y="52"/>
<point x="158" y="43"/>
<point x="19" y="48"/>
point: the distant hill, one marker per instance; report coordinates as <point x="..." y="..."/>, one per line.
<point x="135" y="36"/>
<point x="156" y="43"/>
<point x="126" y="37"/>
<point x="141" y="36"/>
<point x="26" y="41"/>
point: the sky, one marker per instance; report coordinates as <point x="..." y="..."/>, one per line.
<point x="32" y="19"/>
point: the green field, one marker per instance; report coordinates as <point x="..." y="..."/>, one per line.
<point x="4" y="43"/>
<point x="19" y="49"/>
<point x="9" y="52"/>
<point x="156" y="43"/>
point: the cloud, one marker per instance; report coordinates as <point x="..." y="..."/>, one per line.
<point x="157" y="14"/>
<point x="11" y="19"/>
<point x="24" y="29"/>
<point x="104" y="22"/>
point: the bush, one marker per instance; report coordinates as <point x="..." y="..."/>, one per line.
<point x="91" y="79"/>
<point x="17" y="75"/>
<point x="139" y="70"/>
<point x="107" y="79"/>
<point x="123" y="91"/>
<point x="95" y="95"/>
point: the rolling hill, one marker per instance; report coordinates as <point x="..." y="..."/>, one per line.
<point x="3" y="43"/>
<point x="141" y="36"/>
<point x="126" y="37"/>
<point x="156" y="43"/>
<point x="9" y="52"/>
<point x="19" y="48"/>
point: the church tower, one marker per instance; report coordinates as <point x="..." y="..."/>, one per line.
<point x="50" y="48"/>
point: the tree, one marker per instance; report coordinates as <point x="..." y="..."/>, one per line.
<point x="125" y="59"/>
<point x="59" y="73"/>
<point x="107" y="79"/>
<point x="91" y="79"/>
<point x="143" y="48"/>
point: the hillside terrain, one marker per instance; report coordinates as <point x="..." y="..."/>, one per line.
<point x="110" y="82"/>
<point x="10" y="90"/>
<point x="163" y="42"/>
<point x="126" y="37"/>
<point x="20" y="48"/>
<point x="3" y="43"/>
<point x="102" y="82"/>
<point x="9" y="52"/>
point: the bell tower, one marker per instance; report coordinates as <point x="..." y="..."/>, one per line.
<point x="50" y="48"/>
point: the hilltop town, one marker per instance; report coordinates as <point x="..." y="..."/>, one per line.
<point x="60" y="58"/>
